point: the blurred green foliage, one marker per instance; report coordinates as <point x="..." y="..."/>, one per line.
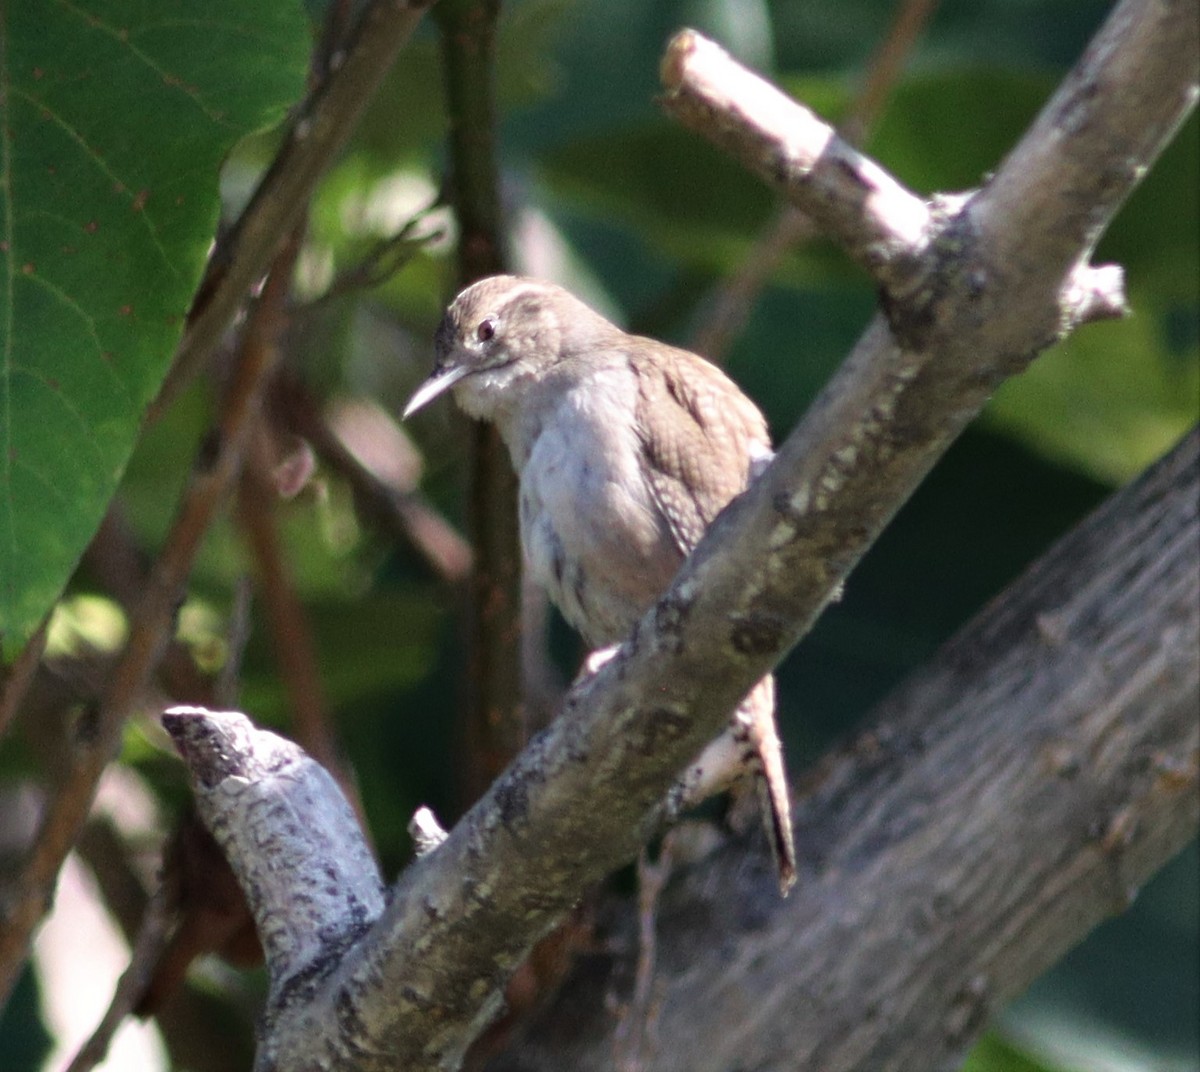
<point x="116" y="119"/>
<point x="608" y="195"/>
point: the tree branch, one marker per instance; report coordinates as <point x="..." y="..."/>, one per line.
<point x="580" y="799"/>
<point x="1001" y="803"/>
<point x="731" y="302"/>
<point x="291" y="838"/>
<point x="493" y="720"/>
<point x="15" y="680"/>
<point x="295" y="647"/>
<point x="882" y="225"/>
<point x="320" y="129"/>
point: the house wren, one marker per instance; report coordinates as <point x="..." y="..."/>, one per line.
<point x="626" y="449"/>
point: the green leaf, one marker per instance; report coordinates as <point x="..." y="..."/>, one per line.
<point x="117" y="114"/>
<point x="993" y="1054"/>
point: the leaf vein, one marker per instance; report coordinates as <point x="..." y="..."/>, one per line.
<point x="93" y="154"/>
<point x="122" y="37"/>
<point x="90" y="324"/>
<point x="66" y="403"/>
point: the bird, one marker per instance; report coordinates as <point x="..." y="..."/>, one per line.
<point x="625" y="449"/>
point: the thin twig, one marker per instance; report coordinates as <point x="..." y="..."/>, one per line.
<point x="377" y="266"/>
<point x="99" y="735"/>
<point x="148" y="946"/>
<point x="494" y="721"/>
<point x="227" y="686"/>
<point x="633" y="1035"/>
<point x="115" y="558"/>
<point x="194" y="881"/>
<point x="885" y="68"/>
<point x="107" y="853"/>
<point x="117" y="561"/>
<point x="291" y="635"/>
<point x="338" y="23"/>
<point x="320" y="129"/>
<point x="732" y="300"/>
<point x="882" y="226"/>
<point x="16" y="679"/>
<point x="402" y="513"/>
<point x="425" y="830"/>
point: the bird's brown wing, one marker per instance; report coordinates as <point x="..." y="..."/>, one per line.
<point x="700" y="435"/>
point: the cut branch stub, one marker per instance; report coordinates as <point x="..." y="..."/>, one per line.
<point x="881" y="225"/>
<point x="919" y="252"/>
<point x="291" y="838"/>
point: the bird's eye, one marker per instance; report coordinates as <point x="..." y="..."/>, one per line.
<point x="486" y="329"/>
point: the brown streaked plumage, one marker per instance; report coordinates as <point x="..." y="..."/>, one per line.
<point x="626" y="449"/>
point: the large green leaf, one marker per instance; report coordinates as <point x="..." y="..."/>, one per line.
<point x="116" y="116"/>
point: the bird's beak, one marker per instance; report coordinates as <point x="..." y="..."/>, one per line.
<point x="441" y="379"/>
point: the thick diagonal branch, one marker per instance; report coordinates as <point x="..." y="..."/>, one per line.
<point x="1006" y="799"/>
<point x="1010" y="796"/>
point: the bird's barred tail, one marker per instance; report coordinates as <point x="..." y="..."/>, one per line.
<point x="748" y="750"/>
<point x="757" y="714"/>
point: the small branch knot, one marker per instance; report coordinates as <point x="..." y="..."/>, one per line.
<point x="207" y="741"/>
<point x="1093" y="293"/>
<point x="217" y="745"/>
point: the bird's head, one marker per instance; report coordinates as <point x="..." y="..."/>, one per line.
<point x="499" y="336"/>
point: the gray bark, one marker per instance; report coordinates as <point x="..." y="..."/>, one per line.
<point x="1009" y="797"/>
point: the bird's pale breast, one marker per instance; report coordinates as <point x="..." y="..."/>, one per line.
<point x="593" y="534"/>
